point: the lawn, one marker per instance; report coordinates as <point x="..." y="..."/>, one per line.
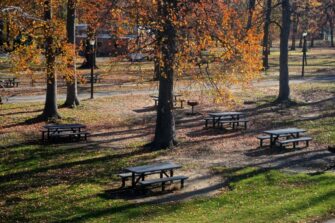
<point x="231" y="179"/>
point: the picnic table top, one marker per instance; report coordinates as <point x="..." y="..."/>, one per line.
<point x="224" y="113"/>
<point x="153" y="167"/>
<point x="64" y="126"/>
<point x="284" y="131"/>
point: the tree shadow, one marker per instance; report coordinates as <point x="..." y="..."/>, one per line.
<point x="145" y="109"/>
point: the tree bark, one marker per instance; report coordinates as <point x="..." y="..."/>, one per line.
<point x="50" y="107"/>
<point x="294" y="31"/>
<point x="284" y="88"/>
<point x="72" y="92"/>
<point x="331" y="27"/>
<point x="266" y="28"/>
<point x="165" y="134"/>
<point x="251" y="8"/>
<point x="1" y="34"/>
<point x="157" y="69"/>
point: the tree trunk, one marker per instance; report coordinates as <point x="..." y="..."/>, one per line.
<point x="71" y="93"/>
<point x="284" y="88"/>
<point x="251" y="8"/>
<point x="331" y="27"/>
<point x="311" y="45"/>
<point x="294" y="30"/>
<point x="165" y="134"/>
<point x="266" y="34"/>
<point x="157" y="69"/>
<point x="50" y="107"/>
<point x="1" y="34"/>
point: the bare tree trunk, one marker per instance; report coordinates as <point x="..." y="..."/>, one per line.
<point x="331" y="27"/>
<point x="294" y="30"/>
<point x="165" y="133"/>
<point x="284" y="88"/>
<point x="1" y="34"/>
<point x="267" y="23"/>
<point x="72" y="92"/>
<point x="50" y="107"/>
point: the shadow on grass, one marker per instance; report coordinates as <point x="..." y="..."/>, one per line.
<point x="146" y="109"/>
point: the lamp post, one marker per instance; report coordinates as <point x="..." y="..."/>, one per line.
<point x="304" y="56"/>
<point x="92" y="43"/>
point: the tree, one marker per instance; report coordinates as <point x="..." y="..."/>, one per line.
<point x="266" y="29"/>
<point x="71" y="82"/>
<point x="181" y="43"/>
<point x="50" y="108"/>
<point x="284" y="88"/>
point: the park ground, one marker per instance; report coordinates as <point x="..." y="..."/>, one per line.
<point x="231" y="178"/>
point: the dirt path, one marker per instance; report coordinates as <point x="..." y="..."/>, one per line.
<point x="263" y="83"/>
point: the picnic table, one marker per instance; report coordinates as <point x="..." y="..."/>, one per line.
<point x="139" y="172"/>
<point x="177" y="97"/>
<point x="275" y="134"/>
<point x="9" y="82"/>
<point x="218" y="116"/>
<point x="56" y="130"/>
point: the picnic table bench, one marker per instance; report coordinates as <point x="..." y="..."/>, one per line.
<point x="96" y="78"/>
<point x="176" y="100"/>
<point x="234" y="119"/>
<point x="56" y="131"/>
<point x="9" y="82"/>
<point x="165" y="171"/>
<point x="292" y="135"/>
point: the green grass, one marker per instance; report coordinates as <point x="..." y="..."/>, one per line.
<point x="253" y="196"/>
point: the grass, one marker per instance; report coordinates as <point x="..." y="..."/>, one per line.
<point x="251" y="195"/>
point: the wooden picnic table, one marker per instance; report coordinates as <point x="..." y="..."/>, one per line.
<point x="57" y="128"/>
<point x="275" y="134"/>
<point x="176" y="96"/>
<point x="9" y="81"/>
<point x="217" y="116"/>
<point x="141" y="171"/>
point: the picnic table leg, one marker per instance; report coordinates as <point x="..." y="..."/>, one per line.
<point x="298" y="137"/>
<point x="213" y="121"/>
<point x="161" y="174"/>
<point x="133" y="180"/>
<point x="171" y="173"/>
<point x="271" y="140"/>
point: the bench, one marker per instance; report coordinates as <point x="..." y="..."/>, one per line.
<point x="127" y="175"/>
<point x="262" y="138"/>
<point x="69" y="134"/>
<point x="96" y="78"/>
<point x="295" y="141"/>
<point x="234" y="122"/>
<point x="265" y="137"/>
<point x="162" y="181"/>
<point x="207" y="120"/>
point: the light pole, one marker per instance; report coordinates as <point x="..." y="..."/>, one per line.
<point x="304" y="56"/>
<point x="92" y="43"/>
